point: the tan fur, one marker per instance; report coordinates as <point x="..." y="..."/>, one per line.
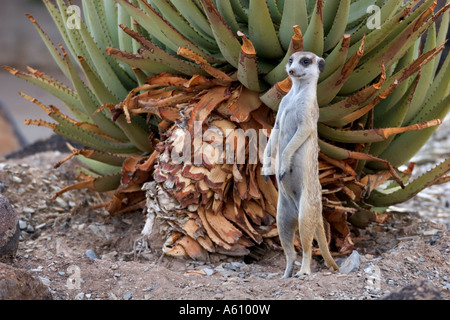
<point x="296" y="145"/>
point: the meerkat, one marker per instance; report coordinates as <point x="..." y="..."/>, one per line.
<point x="294" y="141"/>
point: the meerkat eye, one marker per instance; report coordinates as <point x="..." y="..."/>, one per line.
<point x="305" y="61"/>
<point x="290" y="61"/>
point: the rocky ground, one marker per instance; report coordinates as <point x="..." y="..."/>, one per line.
<point x="83" y="253"/>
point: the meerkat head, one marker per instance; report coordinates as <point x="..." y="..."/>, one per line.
<point x="305" y="66"/>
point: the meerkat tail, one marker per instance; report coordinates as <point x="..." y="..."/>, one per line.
<point x="323" y="246"/>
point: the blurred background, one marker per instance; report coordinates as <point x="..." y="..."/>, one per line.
<point x="21" y="46"/>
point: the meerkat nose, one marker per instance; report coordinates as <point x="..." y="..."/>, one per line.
<point x="291" y="72"/>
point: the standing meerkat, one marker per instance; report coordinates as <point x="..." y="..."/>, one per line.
<point x="296" y="167"/>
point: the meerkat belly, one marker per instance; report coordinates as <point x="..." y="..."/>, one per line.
<point x="302" y="175"/>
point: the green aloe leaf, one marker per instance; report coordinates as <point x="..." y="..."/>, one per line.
<point x="228" y="44"/>
<point x="104" y="157"/>
<point x="56" y="88"/>
<point x="439" y="89"/>
<point x="328" y="88"/>
<point x="313" y="38"/>
<point x="395" y="195"/>
<point x="150" y="66"/>
<point x="338" y="27"/>
<point x="262" y="31"/>
<point x="275" y="13"/>
<point x="91" y="104"/>
<point x="111" y="14"/>
<point x="279" y="72"/>
<point x="226" y="11"/>
<point x="393" y="118"/>
<point x="399" y="92"/>
<point x="391" y="52"/>
<point x="336" y="58"/>
<point x="153" y="52"/>
<point x="179" y="23"/>
<point x="192" y="13"/>
<point x="149" y="19"/>
<point x="294" y="13"/>
<point x="387" y="9"/>
<point x="103" y="94"/>
<point x="84" y="133"/>
<point x="369" y="135"/>
<point x="51" y="48"/>
<point x="407" y="144"/>
<point x="99" y="167"/>
<point x="124" y="19"/>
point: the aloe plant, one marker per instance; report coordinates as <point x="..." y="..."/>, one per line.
<point x="152" y="66"/>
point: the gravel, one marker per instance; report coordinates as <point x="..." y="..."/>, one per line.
<point x="56" y="236"/>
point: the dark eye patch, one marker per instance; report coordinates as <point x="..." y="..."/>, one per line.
<point x="290" y="61"/>
<point x="305" y="61"/>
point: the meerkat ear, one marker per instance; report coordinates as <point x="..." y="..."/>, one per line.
<point x="321" y="64"/>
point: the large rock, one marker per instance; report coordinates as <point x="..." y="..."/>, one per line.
<point x="421" y="290"/>
<point x="9" y="231"/>
<point x="19" y="284"/>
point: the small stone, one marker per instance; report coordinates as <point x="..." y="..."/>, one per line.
<point x="38" y="269"/>
<point x="30" y="229"/>
<point x="62" y="203"/>
<point x="127" y="296"/>
<point x="114" y="266"/>
<point x="16" y="179"/>
<point x="351" y="263"/>
<point x="28" y="210"/>
<point x="40" y="226"/>
<point x="218" y="296"/>
<point x="109" y="255"/>
<point x="45" y="281"/>
<point x="91" y="254"/>
<point x="22" y="225"/>
<point x="208" y="271"/>
<point x="3" y="185"/>
<point x="236" y="265"/>
<point x="79" y="296"/>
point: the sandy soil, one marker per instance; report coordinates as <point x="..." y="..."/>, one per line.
<point x="81" y="253"/>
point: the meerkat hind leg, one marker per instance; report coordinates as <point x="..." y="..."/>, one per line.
<point x="287" y="227"/>
<point x="306" y="239"/>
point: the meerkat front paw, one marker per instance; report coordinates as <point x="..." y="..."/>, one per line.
<point x="267" y="171"/>
<point x="283" y="170"/>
